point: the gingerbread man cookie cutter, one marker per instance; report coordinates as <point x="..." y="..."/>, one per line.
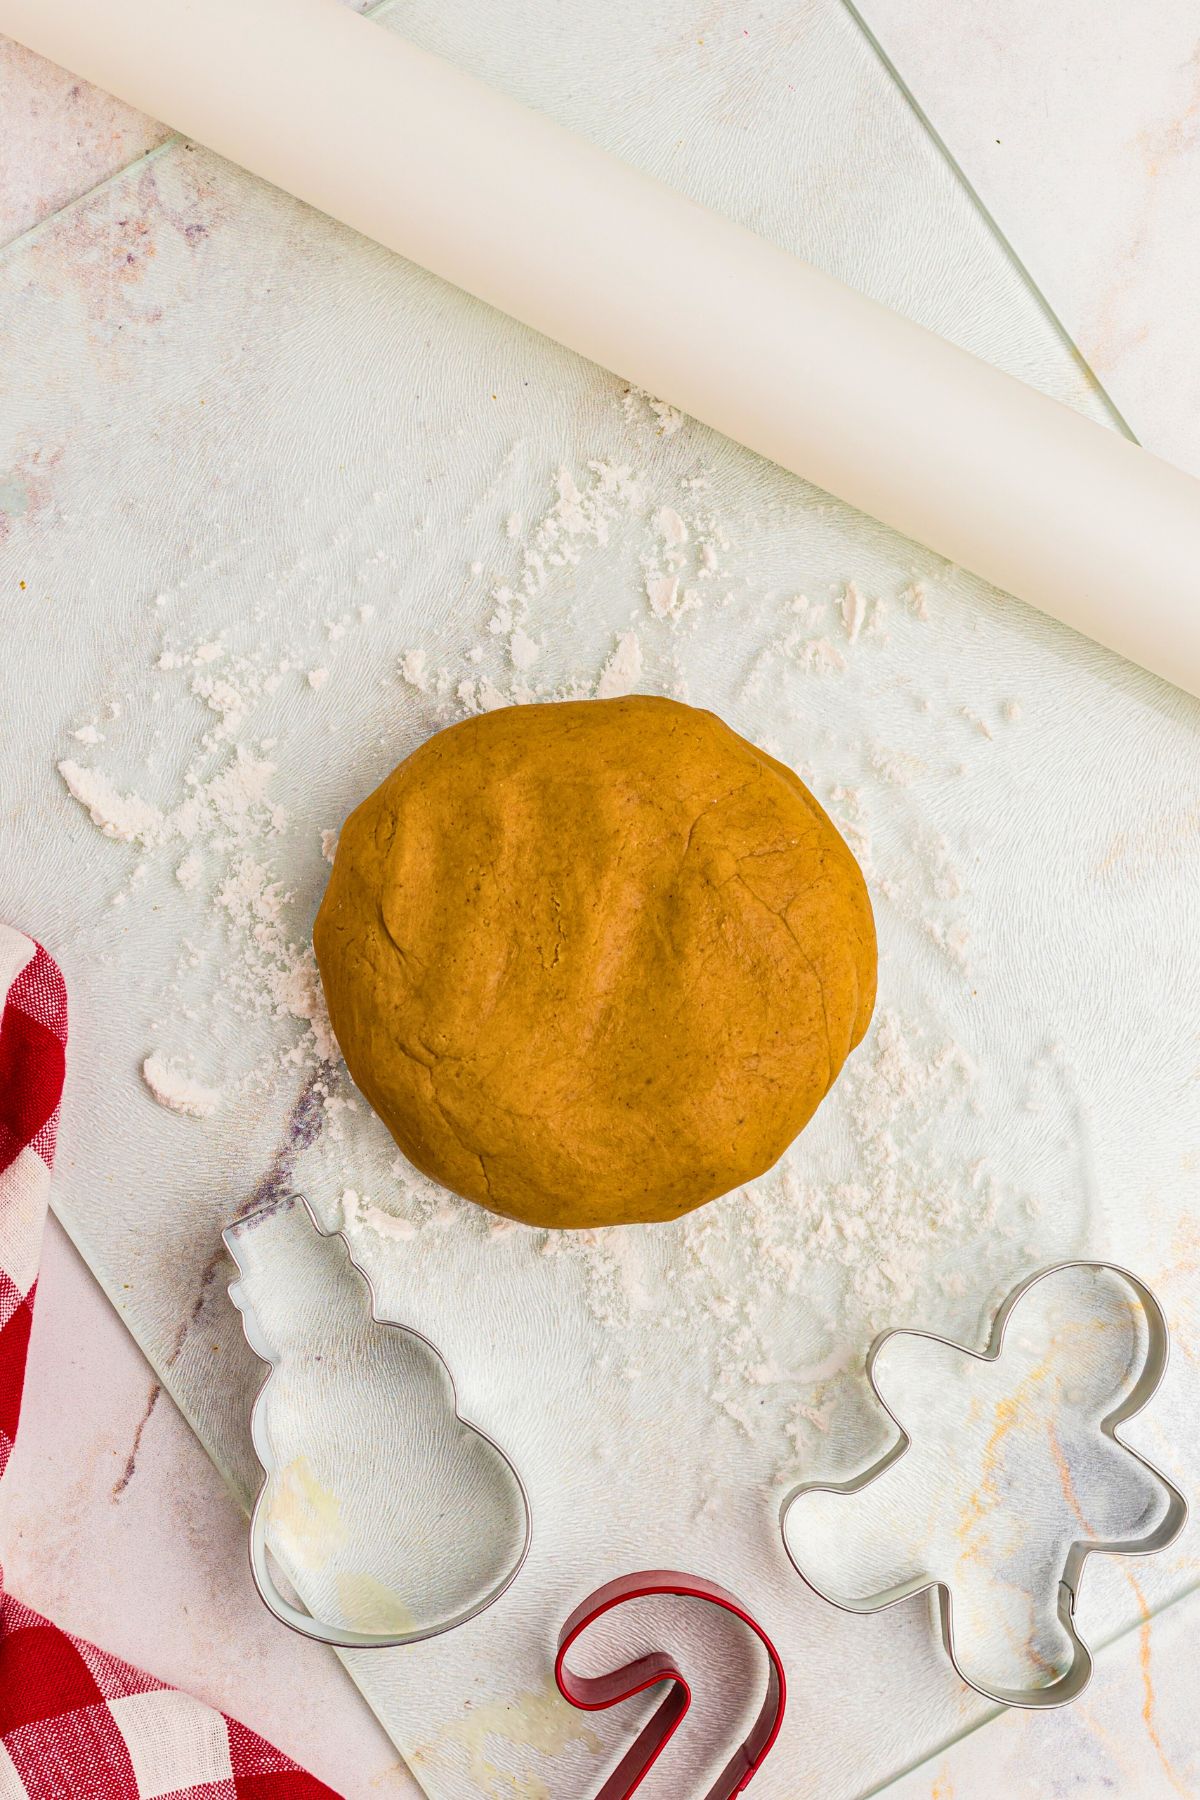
<point x="1070" y="1682"/>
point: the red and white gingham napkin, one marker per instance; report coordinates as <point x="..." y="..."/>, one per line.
<point x="75" y="1722"/>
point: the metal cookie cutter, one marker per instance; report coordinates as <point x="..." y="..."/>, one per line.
<point x="295" y="1618"/>
<point x="594" y="1693"/>
<point x="1074" y="1678"/>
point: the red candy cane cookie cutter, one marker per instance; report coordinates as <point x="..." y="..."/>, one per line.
<point x="594" y="1693"/>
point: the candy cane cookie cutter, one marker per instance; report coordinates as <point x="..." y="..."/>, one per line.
<point x="1073" y="1679"/>
<point x="595" y="1693"/>
<point x="295" y="1617"/>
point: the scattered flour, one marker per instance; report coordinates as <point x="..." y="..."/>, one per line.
<point x="638" y="402"/>
<point x="848" y="814"/>
<point x="189" y="871"/>
<point x="662" y="591"/>
<point x="622" y="671"/>
<point x="523" y="649"/>
<point x="854" y="610"/>
<point x="902" y="1204"/>
<point x="916" y="598"/>
<point x="898" y="1219"/>
<point x="412" y="668"/>
<point x="357" y="1210"/>
<point x="899" y="767"/>
<point x="820" y="657"/>
<point x="226" y="821"/>
<point x="980" y="724"/>
<point x="178" y="1091"/>
<point x="117" y="815"/>
<point x="270" y="975"/>
<point x="891" y="1210"/>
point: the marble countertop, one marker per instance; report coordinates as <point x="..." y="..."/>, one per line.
<point x="1081" y="133"/>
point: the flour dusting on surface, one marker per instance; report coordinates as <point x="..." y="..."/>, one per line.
<point x="178" y="1091"/>
<point x="622" y="672"/>
<point x="117" y="815"/>
<point x="868" y="1208"/>
<point x="226" y="819"/>
<point x="358" y="1211"/>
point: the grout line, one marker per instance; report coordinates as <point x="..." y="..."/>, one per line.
<point x="31" y="233"/>
<point x="989" y="218"/>
<point x="29" y="236"/>
<point x="24" y="239"/>
<point x="1121" y="1636"/>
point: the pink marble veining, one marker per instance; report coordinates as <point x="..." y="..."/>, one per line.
<point x="61" y="137"/>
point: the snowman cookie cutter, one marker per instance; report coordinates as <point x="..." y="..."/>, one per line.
<point x="1074" y="1678"/>
<point x="591" y="1693"/>
<point x="297" y="1619"/>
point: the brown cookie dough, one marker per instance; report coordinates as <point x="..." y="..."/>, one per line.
<point x="594" y="962"/>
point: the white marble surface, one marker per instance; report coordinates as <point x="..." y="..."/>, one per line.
<point x="1079" y="127"/>
<point x="1132" y="1735"/>
<point x="116" y="1525"/>
<point x="114" y="1522"/>
<point x="1092" y="177"/>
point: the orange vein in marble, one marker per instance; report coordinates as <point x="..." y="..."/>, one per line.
<point x="1148" y="1702"/>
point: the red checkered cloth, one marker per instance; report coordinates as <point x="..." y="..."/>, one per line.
<point x="75" y="1722"/>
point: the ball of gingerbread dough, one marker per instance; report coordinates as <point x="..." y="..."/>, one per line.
<point x="594" y="962"/>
